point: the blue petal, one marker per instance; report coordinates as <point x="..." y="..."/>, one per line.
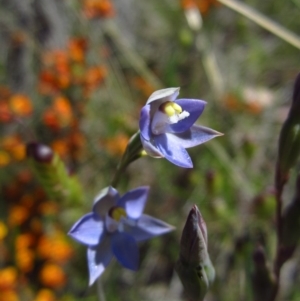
<point x="173" y="151"/>
<point x="134" y="202"/>
<point x="148" y="227"/>
<point x="194" y="136"/>
<point x="150" y="149"/>
<point x="195" y="107"/>
<point x="164" y="95"/>
<point x="144" y="124"/>
<point x="88" y="230"/>
<point x="125" y="249"/>
<point x="98" y="259"/>
<point x="106" y="199"/>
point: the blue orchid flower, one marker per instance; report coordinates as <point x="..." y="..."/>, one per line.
<point x="167" y="126"/>
<point x="114" y="227"/>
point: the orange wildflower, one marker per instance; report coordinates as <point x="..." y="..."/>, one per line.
<point x="21" y="105"/>
<point x="8" y="278"/>
<point x="5" y="113"/>
<point x="63" y="80"/>
<point x="94" y="76"/>
<point x="253" y="108"/>
<point x="14" y="146"/>
<point x="116" y="145"/>
<point x="57" y="74"/>
<point x="55" y="248"/>
<point x="63" y="109"/>
<point x="203" y="5"/>
<point x="232" y="102"/>
<point x="77" y="48"/>
<point x="24" y="241"/>
<point x="48" y="208"/>
<point x="145" y="87"/>
<point x="17" y="215"/>
<point x="4" y="158"/>
<point x="47" y="82"/>
<point x="186" y="4"/>
<point x="45" y="295"/>
<point x="60" y="146"/>
<point x="98" y="8"/>
<point x="60" y="115"/>
<point x="61" y="61"/>
<point x="3" y="230"/>
<point x="25" y="259"/>
<point x="52" y="275"/>
<point x="50" y="119"/>
<point x="9" y="295"/>
<point x="18" y="152"/>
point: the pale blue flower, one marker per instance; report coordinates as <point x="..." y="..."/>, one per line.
<point x="167" y="126"/>
<point x="114" y="227"/>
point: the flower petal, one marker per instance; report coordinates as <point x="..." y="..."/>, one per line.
<point x="194" y="136"/>
<point x="173" y="151"/>
<point x="106" y="198"/>
<point x="134" y="202"/>
<point x="98" y="259"/>
<point x="88" y="230"/>
<point x="144" y="124"/>
<point x="164" y="95"/>
<point x="125" y="249"/>
<point x="194" y="107"/>
<point x="150" y="149"/>
<point x="148" y="227"/>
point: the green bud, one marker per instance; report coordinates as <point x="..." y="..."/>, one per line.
<point x="194" y="267"/>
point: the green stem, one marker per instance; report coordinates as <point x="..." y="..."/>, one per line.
<point x="100" y="291"/>
<point x="132" y="153"/>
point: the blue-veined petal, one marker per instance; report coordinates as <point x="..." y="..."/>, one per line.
<point x="194" y="107"/>
<point x="173" y="151"/>
<point x="147" y="227"/>
<point x="144" y="124"/>
<point x="134" y="202"/>
<point x="106" y="199"/>
<point x="125" y="248"/>
<point x="194" y="136"/>
<point x="88" y="230"/>
<point x="98" y="259"/>
<point x="164" y="95"/>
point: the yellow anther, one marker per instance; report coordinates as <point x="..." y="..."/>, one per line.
<point x="170" y="108"/>
<point x="177" y="107"/>
<point x="117" y="213"/>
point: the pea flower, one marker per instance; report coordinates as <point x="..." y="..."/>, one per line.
<point x="114" y="227"/>
<point x="167" y="126"/>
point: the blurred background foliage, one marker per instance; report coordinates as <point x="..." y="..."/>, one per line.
<point x="74" y="76"/>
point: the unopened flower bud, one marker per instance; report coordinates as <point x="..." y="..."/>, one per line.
<point x="194" y="267"/>
<point x="39" y="152"/>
